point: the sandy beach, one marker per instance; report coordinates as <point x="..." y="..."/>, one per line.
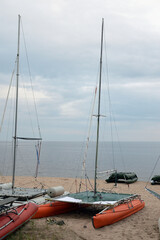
<point x="78" y="225"/>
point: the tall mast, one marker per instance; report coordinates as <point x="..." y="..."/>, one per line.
<point x="16" y="111"/>
<point x="98" y="116"/>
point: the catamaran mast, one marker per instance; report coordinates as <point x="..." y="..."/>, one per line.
<point x="16" y="111"/>
<point x="98" y="116"/>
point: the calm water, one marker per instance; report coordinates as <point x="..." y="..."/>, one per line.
<point x="64" y="159"/>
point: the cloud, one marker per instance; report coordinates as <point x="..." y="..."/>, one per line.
<point x="71" y="109"/>
<point x="63" y="47"/>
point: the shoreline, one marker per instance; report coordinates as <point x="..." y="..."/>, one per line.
<point x="141" y="225"/>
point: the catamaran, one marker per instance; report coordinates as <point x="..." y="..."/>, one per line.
<point x="117" y="206"/>
<point x="20" y="193"/>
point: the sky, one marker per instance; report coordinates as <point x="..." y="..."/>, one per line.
<point x="63" y="47"/>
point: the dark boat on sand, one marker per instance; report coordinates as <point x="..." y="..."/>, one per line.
<point x="122" y="177"/>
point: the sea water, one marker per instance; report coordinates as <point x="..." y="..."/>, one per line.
<point x="66" y="159"/>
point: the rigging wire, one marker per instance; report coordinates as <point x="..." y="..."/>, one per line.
<point x="109" y="98"/>
<point x="88" y="136"/>
<point x="3" y="165"/>
<point x="83" y="166"/>
<point x="7" y="96"/>
<point x="27" y="103"/>
<point x="38" y="145"/>
<point x="153" y="169"/>
<point x="110" y="107"/>
<point x="6" y="103"/>
<point x="112" y="118"/>
<point x="31" y="80"/>
<point x="86" y="144"/>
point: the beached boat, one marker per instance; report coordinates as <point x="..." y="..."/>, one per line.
<point x="12" y="191"/>
<point x="37" y="196"/>
<point x="117" y="213"/>
<point x="15" y="217"/>
<point x="155" y="180"/>
<point x="122" y="177"/>
<point x="95" y="197"/>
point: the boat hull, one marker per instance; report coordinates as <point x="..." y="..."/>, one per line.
<point x="155" y="180"/>
<point x="54" y="208"/>
<point x="117" y="213"/>
<point x="15" y="218"/>
<point x="122" y="177"/>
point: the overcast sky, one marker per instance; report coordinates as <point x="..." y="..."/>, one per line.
<point x="63" y="46"/>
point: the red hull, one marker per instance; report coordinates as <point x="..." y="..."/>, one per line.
<point x="117" y="213"/>
<point x="55" y="208"/>
<point x="16" y="217"/>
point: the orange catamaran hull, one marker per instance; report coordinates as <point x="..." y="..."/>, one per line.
<point x="54" y="208"/>
<point x="117" y="213"/>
